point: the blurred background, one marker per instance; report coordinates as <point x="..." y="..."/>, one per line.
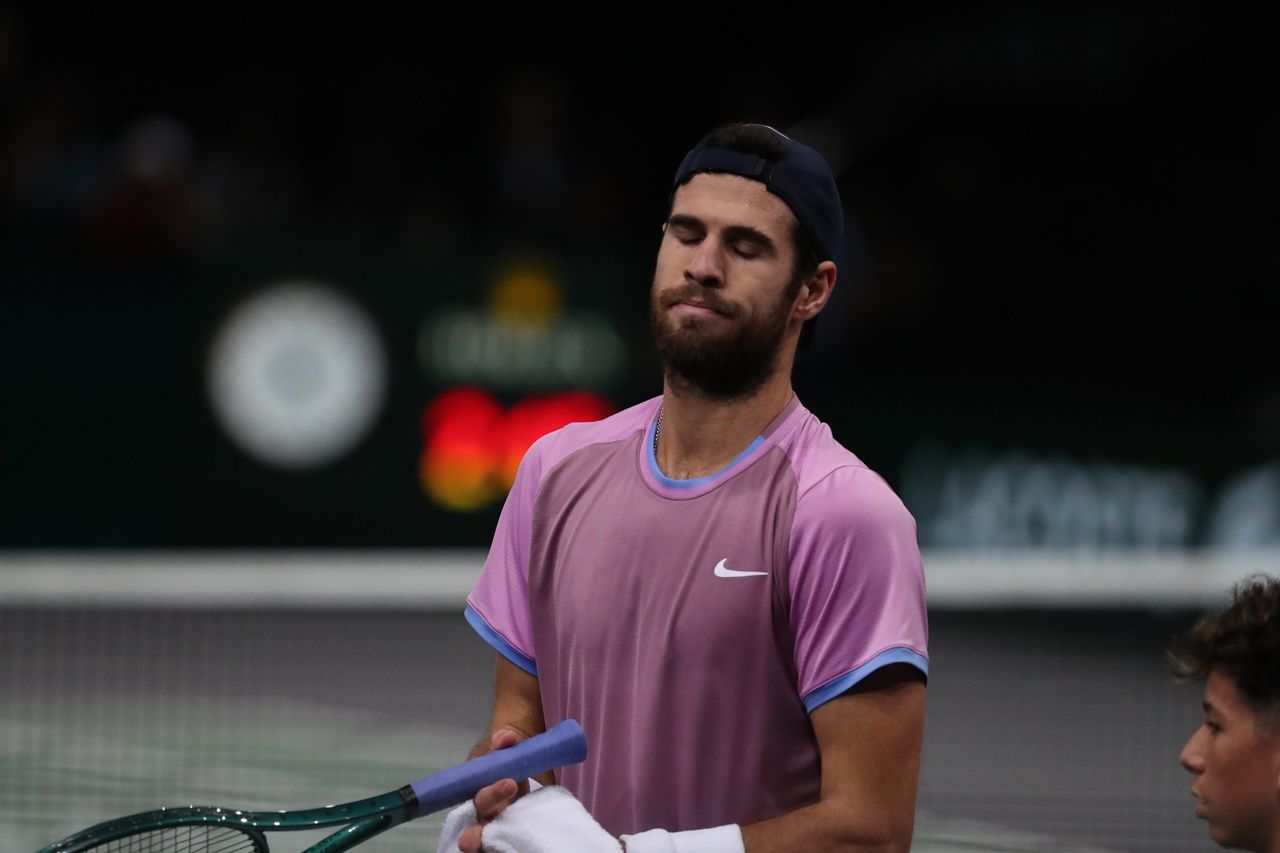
<point x="282" y="305"/>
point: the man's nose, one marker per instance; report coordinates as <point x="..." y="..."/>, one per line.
<point x="706" y="263"/>
<point x="1192" y="757"/>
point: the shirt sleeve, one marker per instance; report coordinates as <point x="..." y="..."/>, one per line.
<point x="856" y="583"/>
<point x="498" y="606"/>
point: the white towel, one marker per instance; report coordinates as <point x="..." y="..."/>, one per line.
<point x="560" y="823"/>
<point x="550" y="820"/>
<point x="461" y="817"/>
<point x="718" y="839"/>
<point x="455" y="824"/>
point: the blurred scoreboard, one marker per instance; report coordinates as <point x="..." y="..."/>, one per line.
<point x="311" y="397"/>
<point x="302" y="400"/>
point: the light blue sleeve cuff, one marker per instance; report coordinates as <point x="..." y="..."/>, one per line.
<point x="841" y="683"/>
<point x="503" y="648"/>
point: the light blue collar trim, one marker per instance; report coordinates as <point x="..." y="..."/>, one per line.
<point x="700" y="481"/>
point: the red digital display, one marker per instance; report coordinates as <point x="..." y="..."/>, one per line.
<point x="472" y="445"/>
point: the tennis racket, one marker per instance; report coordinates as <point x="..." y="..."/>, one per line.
<point x="208" y="829"/>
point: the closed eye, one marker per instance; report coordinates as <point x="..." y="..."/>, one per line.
<point x="748" y="242"/>
<point x="743" y="241"/>
<point x="686" y="229"/>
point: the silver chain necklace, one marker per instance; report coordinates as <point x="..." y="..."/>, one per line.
<point x="656" y="428"/>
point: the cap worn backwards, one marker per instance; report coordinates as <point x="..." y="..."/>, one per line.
<point x="800" y="176"/>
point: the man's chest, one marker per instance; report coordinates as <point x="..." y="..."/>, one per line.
<point x="614" y="565"/>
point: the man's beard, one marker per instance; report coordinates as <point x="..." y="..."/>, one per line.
<point x="729" y="365"/>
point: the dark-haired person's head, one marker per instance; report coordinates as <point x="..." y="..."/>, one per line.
<point x="764" y="141"/>
<point x="1235" y="753"/>
<point x="747" y="258"/>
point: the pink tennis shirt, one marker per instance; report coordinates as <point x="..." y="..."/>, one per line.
<point x="691" y="626"/>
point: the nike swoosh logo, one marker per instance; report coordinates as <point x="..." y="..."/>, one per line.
<point x="722" y="571"/>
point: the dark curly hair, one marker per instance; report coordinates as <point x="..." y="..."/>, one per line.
<point x="1242" y="642"/>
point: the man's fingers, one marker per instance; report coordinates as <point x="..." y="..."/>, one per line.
<point x="491" y="800"/>
<point x="503" y="738"/>
<point x="470" y="841"/>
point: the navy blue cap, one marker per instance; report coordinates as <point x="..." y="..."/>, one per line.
<point x="800" y="177"/>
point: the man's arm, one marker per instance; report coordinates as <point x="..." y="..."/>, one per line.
<point x="870" y="740"/>
<point x="517" y="715"/>
<point x="517" y="706"/>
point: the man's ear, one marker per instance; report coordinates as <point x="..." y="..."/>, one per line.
<point x="815" y="291"/>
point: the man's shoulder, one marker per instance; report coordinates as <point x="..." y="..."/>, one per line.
<point x="557" y="445"/>
<point x="815" y="454"/>
<point x="832" y="482"/>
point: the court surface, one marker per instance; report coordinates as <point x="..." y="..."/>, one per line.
<point x="1045" y="731"/>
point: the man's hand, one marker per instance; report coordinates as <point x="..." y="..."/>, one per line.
<point x="490" y="801"/>
<point x="517" y="715"/>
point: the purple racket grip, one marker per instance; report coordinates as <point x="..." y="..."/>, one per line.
<point x="560" y="745"/>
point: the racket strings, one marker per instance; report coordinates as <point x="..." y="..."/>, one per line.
<point x="185" y="839"/>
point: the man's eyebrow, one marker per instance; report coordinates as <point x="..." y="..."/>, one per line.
<point x="684" y="220"/>
<point x="735" y="233"/>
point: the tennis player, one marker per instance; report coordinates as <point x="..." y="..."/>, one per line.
<point x="1235" y="753"/>
<point x="729" y="601"/>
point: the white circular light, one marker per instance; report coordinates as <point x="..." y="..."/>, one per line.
<point x="297" y="375"/>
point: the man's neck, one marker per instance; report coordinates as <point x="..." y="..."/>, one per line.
<point x="700" y="435"/>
